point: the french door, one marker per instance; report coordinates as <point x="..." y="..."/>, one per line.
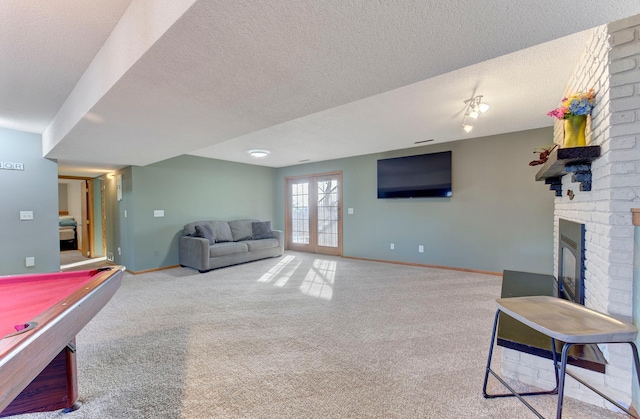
<point x="314" y="213"/>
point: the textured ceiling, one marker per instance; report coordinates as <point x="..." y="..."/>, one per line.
<point x="45" y="46"/>
<point x="307" y="80"/>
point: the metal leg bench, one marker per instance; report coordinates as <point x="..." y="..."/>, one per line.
<point x="564" y="321"/>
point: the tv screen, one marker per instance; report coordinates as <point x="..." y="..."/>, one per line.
<point x="421" y="176"/>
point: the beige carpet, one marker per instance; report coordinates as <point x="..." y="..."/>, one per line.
<point x="301" y="336"/>
<point x="72" y="260"/>
<point x="71" y="256"/>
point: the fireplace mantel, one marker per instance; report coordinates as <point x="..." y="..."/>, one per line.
<point x="576" y="160"/>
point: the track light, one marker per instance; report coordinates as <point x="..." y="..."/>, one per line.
<point x="475" y="107"/>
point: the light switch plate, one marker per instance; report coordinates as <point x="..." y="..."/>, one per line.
<point x="30" y="261"/>
<point x="349" y="210"/>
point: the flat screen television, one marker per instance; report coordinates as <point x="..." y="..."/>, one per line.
<point x="420" y="176"/>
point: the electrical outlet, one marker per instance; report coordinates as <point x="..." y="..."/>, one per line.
<point x="110" y="256"/>
<point x="30" y="261"/>
<point x="421" y="249"/>
<point x="26" y="215"/>
<point x="392" y="246"/>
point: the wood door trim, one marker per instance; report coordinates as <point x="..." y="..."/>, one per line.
<point x="74" y="177"/>
<point x="335" y="251"/>
<point x="103" y="188"/>
<point x="88" y="222"/>
<point x="90" y="218"/>
<point x="312" y="208"/>
<point x="287" y="217"/>
<point x="287" y="178"/>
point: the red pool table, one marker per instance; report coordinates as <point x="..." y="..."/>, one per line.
<point x="40" y="315"/>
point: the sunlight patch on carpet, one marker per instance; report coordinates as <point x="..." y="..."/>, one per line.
<point x="281" y="273"/>
<point x="320" y="279"/>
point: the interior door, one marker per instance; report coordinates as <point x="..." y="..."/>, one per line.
<point x="85" y="203"/>
<point x="314" y="213"/>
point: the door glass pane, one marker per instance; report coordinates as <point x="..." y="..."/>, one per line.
<point x="300" y="213"/>
<point x="328" y="213"/>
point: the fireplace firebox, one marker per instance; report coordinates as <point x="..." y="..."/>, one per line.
<point x="571" y="261"/>
<point x="570" y="285"/>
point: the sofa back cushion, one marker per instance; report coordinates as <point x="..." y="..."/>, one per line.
<point x="204" y="231"/>
<point x="241" y="229"/>
<point x="220" y="229"/>
<point x="261" y="230"/>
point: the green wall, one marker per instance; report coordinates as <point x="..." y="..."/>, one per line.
<point x="33" y="189"/>
<point x="498" y="218"/>
<point x="186" y="188"/>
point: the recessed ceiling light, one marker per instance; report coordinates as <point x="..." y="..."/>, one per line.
<point x="94" y="117"/>
<point x="302" y="161"/>
<point x="424" y="141"/>
<point x="259" y="154"/>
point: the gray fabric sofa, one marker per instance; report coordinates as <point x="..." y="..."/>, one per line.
<point x="212" y="244"/>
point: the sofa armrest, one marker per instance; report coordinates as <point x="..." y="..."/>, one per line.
<point x="279" y="234"/>
<point x="194" y="252"/>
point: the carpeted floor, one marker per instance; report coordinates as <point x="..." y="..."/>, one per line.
<point x="75" y="260"/>
<point x="71" y="256"/>
<point x="302" y="336"/>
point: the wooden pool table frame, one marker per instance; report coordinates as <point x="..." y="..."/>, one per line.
<point x="45" y="355"/>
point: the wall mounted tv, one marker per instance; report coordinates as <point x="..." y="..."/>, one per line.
<point x="421" y="176"/>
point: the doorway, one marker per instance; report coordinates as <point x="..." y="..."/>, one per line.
<point x="78" y="202"/>
<point x="313" y="215"/>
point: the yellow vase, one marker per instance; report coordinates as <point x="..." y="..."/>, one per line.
<point x="574" y="131"/>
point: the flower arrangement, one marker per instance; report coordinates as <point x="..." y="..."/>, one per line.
<point x="578" y="104"/>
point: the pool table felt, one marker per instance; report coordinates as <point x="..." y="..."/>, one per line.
<point x="24" y="297"/>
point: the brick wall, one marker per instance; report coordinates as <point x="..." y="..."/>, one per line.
<point x="610" y="64"/>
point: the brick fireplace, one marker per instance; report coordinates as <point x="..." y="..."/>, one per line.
<point x="610" y="64"/>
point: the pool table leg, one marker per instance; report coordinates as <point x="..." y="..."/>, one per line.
<point x="55" y="388"/>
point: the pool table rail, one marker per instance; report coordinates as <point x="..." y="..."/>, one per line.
<point x="25" y="355"/>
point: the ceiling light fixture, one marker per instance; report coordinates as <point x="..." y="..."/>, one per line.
<point x="475" y="107"/>
<point x="259" y="154"/>
<point x="94" y="117"/>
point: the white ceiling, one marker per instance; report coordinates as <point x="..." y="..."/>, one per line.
<point x="112" y="83"/>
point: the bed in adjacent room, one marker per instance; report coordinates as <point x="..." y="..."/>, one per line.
<point x="68" y="234"/>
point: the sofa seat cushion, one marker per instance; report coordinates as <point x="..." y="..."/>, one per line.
<point x="261" y="244"/>
<point x="227" y="248"/>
